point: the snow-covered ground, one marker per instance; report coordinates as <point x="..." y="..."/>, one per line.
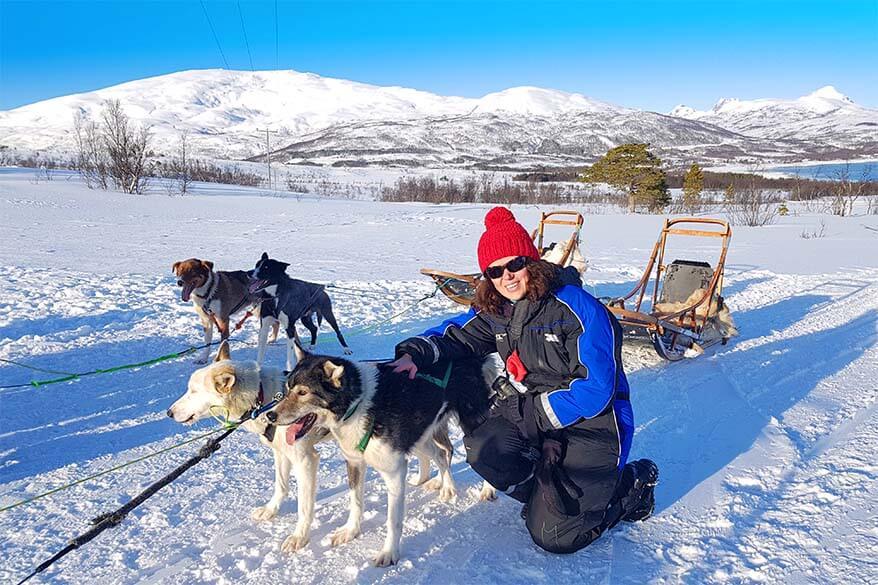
<point x="767" y="446"/>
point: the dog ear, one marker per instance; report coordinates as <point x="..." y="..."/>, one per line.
<point x="264" y="256"/>
<point x="224" y="379"/>
<point x="333" y="373"/>
<point x="207" y="264"/>
<point x="174" y="267"/>
<point x="297" y="349"/>
<point x="224" y="353"/>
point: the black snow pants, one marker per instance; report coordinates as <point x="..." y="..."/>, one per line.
<point x="571" y="502"/>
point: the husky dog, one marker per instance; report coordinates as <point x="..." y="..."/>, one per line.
<point x="232" y="388"/>
<point x="378" y="418"/>
<point x="216" y="296"/>
<point x="294" y="300"/>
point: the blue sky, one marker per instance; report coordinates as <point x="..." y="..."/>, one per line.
<point x="645" y="54"/>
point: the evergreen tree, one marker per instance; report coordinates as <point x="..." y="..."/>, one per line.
<point x="632" y="168"/>
<point x="693" y="184"/>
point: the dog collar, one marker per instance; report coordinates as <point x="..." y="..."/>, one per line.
<point x="211" y="289"/>
<point x="370" y="425"/>
<point x="259" y="408"/>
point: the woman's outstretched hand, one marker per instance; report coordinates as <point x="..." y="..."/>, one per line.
<point x="405" y="364"/>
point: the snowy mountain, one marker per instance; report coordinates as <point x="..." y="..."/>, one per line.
<point x="335" y="121"/>
<point x="825" y="115"/>
<point x="501" y="139"/>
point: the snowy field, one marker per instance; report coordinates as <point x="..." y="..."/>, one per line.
<point x="768" y="447"/>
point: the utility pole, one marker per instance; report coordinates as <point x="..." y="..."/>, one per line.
<point x="268" y="151"/>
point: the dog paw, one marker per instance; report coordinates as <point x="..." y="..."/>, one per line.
<point x="294" y="543"/>
<point x="434" y="485"/>
<point x="348" y="351"/>
<point x="386" y="558"/>
<point x="488" y="493"/>
<point x="447" y="493"/>
<point x="263" y="513"/>
<point x="343" y="535"/>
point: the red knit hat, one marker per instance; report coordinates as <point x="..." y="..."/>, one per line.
<point x="504" y="237"/>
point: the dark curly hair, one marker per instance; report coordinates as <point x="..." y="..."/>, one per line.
<point x="542" y="278"/>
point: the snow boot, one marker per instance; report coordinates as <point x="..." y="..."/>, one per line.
<point x="640" y="499"/>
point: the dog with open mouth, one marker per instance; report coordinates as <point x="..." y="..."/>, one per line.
<point x="378" y="418"/>
<point x="216" y="295"/>
<point x="231" y="389"/>
<point x="294" y="300"/>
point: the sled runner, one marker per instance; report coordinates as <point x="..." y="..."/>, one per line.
<point x="687" y="312"/>
<point x="461" y="288"/>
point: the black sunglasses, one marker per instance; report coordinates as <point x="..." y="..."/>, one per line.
<point x="512" y="266"/>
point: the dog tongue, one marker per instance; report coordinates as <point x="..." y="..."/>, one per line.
<point x="187" y="290"/>
<point x="293" y="430"/>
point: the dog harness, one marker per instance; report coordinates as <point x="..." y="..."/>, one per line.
<point x="370" y="425"/>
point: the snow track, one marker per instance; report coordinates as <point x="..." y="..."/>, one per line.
<point x="767" y="446"/>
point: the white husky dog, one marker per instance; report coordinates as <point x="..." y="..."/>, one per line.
<point x="233" y="388"/>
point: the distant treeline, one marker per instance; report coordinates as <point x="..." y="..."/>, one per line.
<point x="485" y="189"/>
<point x="798" y="188"/>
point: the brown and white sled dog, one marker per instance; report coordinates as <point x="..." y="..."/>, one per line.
<point x="216" y="295"/>
<point x="232" y="388"/>
<point x="378" y="418"/>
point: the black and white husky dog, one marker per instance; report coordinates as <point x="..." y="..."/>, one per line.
<point x="378" y="418"/>
<point x="295" y="300"/>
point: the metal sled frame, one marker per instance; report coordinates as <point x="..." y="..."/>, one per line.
<point x="461" y="288"/>
<point x="673" y="333"/>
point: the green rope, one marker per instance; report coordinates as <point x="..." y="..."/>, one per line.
<point x="34" y="368"/>
<point x="69" y="377"/>
<point x="226" y="426"/>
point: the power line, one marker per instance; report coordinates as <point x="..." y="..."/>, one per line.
<point x="216" y="38"/>
<point x="246" y="42"/>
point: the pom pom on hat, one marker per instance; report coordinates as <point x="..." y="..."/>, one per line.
<point x="504" y="237"/>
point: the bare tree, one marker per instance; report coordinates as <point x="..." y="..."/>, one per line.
<point x="848" y="189"/>
<point x="750" y="204"/>
<point x="126" y="148"/>
<point x="181" y="166"/>
<point x="91" y="159"/>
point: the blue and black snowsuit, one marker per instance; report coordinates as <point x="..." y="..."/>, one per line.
<point x="561" y="445"/>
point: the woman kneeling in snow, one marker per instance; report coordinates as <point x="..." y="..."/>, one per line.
<point x="558" y="435"/>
